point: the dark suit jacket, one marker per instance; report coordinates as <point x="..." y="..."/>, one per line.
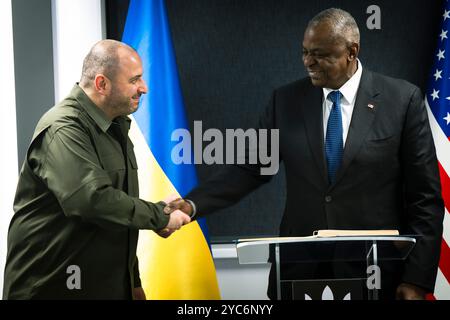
<point x="388" y="178"/>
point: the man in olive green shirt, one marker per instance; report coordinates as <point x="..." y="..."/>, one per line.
<point x="77" y="212"/>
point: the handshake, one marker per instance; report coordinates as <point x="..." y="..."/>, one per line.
<point x="180" y="212"/>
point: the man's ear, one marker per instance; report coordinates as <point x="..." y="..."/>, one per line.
<point x="353" y="51"/>
<point x="102" y="84"/>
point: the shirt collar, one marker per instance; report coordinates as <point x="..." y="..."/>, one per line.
<point x="91" y="108"/>
<point x="124" y="121"/>
<point x="350" y="88"/>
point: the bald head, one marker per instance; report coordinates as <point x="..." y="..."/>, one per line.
<point x="103" y="58"/>
<point x="342" y="24"/>
<point x="112" y="78"/>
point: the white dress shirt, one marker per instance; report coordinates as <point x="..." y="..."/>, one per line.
<point x="348" y="90"/>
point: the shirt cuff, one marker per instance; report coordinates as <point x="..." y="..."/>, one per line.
<point x="194" y="208"/>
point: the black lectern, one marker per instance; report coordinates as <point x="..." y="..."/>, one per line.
<point x="367" y="250"/>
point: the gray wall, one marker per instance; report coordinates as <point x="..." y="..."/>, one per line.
<point x="33" y="63"/>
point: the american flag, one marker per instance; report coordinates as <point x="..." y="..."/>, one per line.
<point x="437" y="101"/>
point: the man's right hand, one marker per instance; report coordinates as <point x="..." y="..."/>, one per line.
<point x="177" y="219"/>
<point x="179" y="204"/>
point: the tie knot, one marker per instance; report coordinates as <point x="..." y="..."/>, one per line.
<point x="335" y="97"/>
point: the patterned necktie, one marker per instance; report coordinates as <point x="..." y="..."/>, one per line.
<point x="333" y="140"/>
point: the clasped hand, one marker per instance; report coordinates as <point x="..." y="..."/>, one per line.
<point x="179" y="211"/>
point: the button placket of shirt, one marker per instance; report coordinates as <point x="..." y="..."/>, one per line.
<point x="118" y="133"/>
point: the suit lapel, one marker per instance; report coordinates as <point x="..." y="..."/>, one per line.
<point x="313" y="117"/>
<point x="362" y="119"/>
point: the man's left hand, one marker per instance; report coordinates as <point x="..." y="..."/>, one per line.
<point x="139" y="294"/>
<point x="406" y="291"/>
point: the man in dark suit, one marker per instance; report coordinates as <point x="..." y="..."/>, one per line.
<point x="358" y="154"/>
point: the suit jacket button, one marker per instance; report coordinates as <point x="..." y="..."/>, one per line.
<point x="328" y="199"/>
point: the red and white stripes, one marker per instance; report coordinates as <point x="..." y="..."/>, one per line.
<point x="442" y="143"/>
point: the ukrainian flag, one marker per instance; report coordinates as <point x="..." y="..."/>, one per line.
<point x="181" y="266"/>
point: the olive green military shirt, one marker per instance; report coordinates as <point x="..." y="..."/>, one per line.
<point x="77" y="212"/>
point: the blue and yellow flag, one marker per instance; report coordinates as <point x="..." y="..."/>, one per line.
<point x="181" y="266"/>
